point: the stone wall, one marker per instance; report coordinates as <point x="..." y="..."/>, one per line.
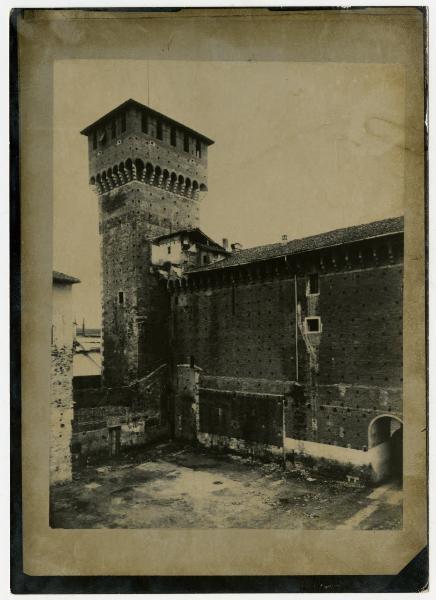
<point x="247" y="325"/>
<point x="61" y="391"/>
<point x="136" y="415"/>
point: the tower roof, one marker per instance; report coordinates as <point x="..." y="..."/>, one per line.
<point x="134" y="104"/>
<point x="195" y="233"/>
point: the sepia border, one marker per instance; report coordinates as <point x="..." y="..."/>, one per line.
<point x="50" y="554"/>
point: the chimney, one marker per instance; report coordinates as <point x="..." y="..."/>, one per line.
<point x="236" y="246"/>
<point x="284" y="238"/>
<point x="225" y="243"/>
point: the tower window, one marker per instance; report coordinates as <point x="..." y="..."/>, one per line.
<point x="173" y="136"/>
<point x="313" y="284"/>
<point x="198" y="148"/>
<point x="120" y="297"/>
<point x="313" y="324"/>
<point x="169" y="249"/>
<point x="144" y="122"/>
<point x="186" y="142"/>
<point x="94" y="140"/>
<point x="114" y="129"/>
<point x="123" y="122"/>
<point x="159" y="130"/>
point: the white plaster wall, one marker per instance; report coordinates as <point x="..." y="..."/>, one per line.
<point x="328" y="452"/>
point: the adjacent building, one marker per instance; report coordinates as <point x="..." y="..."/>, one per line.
<point x="61" y="399"/>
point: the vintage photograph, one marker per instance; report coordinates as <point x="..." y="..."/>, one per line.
<point x="223" y="314"/>
<point x="227" y="317"/>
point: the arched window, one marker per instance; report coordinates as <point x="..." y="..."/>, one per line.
<point x="181" y="184"/>
<point x="158" y="176"/>
<point x="188" y="187"/>
<point x="173" y="184"/>
<point x="149" y="170"/>
<point x="139" y="169"/>
<point x="129" y="169"/>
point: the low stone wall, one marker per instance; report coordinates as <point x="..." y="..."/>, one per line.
<point x="108" y="421"/>
<point x="252" y="416"/>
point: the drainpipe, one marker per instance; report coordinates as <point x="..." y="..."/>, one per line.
<point x="284" y="431"/>
<point x="296" y="328"/>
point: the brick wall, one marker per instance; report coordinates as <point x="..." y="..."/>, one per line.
<point x="132" y="340"/>
<point x="351" y="372"/>
<point x="139" y="411"/>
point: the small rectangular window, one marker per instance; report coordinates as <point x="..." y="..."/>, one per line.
<point x="169" y="249"/>
<point x="159" y="130"/>
<point x="114" y="129"/>
<point x="186" y="142"/>
<point x="198" y="148"/>
<point x="120" y="297"/>
<point x="123" y="122"/>
<point x="313" y="284"/>
<point x="144" y="122"/>
<point x="94" y="140"/>
<point x="313" y="325"/>
<point x="173" y="136"/>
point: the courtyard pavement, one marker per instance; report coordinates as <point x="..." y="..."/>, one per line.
<point x="182" y="487"/>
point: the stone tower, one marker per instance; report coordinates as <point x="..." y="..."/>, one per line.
<point x="148" y="171"/>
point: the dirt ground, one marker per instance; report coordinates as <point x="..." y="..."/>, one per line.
<point x="169" y="486"/>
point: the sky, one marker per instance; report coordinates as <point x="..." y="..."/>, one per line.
<point x="300" y="148"/>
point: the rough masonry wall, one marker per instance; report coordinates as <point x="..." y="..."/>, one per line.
<point x="351" y="372"/>
<point x="139" y="412"/>
<point x="134" y="143"/>
<point x="133" y="344"/>
<point x="61" y="390"/>
<point x="243" y="331"/>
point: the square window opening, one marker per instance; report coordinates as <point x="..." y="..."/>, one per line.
<point x="313" y="284"/>
<point x="313" y="325"/>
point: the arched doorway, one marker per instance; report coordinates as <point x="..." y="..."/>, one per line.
<point x="385" y="443"/>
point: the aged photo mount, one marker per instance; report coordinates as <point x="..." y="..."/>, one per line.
<point x="223" y="291"/>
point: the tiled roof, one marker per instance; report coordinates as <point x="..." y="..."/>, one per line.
<point x="336" y="237"/>
<point x="62" y="278"/>
<point x="195" y="233"/>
